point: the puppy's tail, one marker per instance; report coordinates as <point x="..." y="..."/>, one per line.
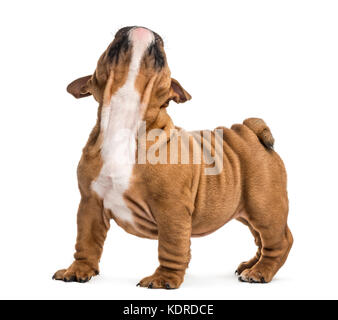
<point x="259" y="127"/>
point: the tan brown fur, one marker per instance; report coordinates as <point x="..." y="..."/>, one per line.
<point x="174" y="202"/>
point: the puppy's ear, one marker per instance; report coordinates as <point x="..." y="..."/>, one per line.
<point x="79" y="88"/>
<point x="177" y="93"/>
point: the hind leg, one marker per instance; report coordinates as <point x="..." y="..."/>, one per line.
<point x="249" y="264"/>
<point x="276" y="241"/>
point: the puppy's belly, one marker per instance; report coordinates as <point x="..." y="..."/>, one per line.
<point x="129" y="208"/>
<point x="205" y="224"/>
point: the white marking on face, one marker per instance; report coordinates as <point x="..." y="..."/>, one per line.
<point x="119" y="124"/>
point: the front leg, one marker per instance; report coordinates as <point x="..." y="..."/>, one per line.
<point x="174" y="232"/>
<point x="92" y="228"/>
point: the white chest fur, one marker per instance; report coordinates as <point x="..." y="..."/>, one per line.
<point x="119" y="124"/>
<point x="119" y="121"/>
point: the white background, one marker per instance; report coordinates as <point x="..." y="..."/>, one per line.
<point x="272" y="59"/>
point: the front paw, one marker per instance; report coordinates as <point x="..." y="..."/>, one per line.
<point x="163" y="278"/>
<point x="77" y="272"/>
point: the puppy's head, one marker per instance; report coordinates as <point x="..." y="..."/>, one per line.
<point x="135" y="60"/>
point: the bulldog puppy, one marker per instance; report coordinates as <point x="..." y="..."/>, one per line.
<point x="160" y="182"/>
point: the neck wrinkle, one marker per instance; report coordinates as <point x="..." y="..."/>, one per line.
<point x="163" y="121"/>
